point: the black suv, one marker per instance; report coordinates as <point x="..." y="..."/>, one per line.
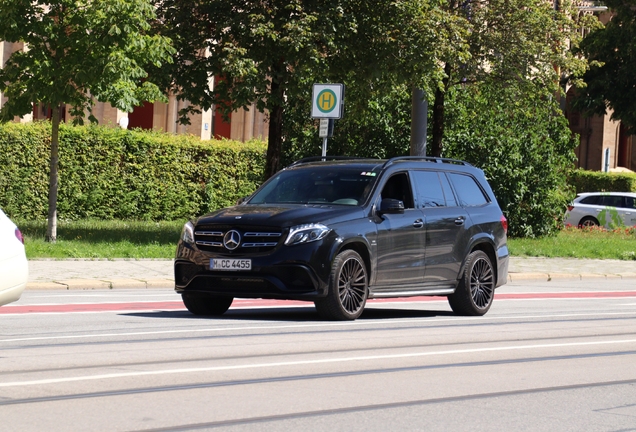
<point x="337" y="231"/>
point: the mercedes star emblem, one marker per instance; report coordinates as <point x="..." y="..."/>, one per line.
<point x="232" y="240"/>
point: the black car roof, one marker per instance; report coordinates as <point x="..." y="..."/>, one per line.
<point x="370" y="164"/>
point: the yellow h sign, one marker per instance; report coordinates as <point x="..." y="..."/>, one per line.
<point x="327" y="101"/>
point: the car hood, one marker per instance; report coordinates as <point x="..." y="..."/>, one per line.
<point x="279" y="216"/>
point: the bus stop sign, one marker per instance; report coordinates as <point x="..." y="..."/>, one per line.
<point x="327" y="101"/>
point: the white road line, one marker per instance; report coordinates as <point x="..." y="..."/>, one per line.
<point x="308" y="362"/>
<point x="356" y="323"/>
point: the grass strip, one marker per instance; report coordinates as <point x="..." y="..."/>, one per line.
<point x="573" y="242"/>
<point x="102" y="239"/>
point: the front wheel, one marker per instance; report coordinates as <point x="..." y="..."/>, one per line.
<point x="348" y="288"/>
<point x="476" y="288"/>
<point x="206" y="304"/>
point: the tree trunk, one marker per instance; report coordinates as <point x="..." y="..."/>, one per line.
<point x="51" y="231"/>
<point x="438" y="115"/>
<point x="275" y="136"/>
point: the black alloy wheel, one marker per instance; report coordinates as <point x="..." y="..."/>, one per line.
<point x="476" y="289"/>
<point x="348" y="288"/>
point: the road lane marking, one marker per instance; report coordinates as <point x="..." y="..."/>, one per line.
<point x="310" y="362"/>
<point x="356" y="323"/>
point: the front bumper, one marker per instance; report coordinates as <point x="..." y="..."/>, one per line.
<point x="294" y="273"/>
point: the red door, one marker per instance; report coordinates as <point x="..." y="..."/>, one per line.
<point x="141" y="117"/>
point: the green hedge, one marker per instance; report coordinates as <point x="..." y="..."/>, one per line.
<point x="109" y="173"/>
<point x="595" y="181"/>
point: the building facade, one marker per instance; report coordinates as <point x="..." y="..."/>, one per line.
<point x="243" y="125"/>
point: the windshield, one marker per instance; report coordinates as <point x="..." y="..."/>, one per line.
<point x="341" y="186"/>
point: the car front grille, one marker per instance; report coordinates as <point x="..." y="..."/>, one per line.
<point x="252" y="239"/>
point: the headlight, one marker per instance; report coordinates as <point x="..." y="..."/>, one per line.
<point x="187" y="234"/>
<point x="306" y="233"/>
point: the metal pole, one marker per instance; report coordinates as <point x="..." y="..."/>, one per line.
<point x="324" y="147"/>
<point x="419" y="122"/>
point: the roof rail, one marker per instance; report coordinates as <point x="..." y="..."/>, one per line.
<point x="425" y="158"/>
<point x="326" y="158"/>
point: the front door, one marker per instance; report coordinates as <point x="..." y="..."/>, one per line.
<point x="401" y="238"/>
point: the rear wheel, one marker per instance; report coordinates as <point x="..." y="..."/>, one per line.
<point x="476" y="289"/>
<point x="588" y="221"/>
<point x="206" y="304"/>
<point x="348" y="288"/>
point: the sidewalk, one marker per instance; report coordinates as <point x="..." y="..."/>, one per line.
<point x="123" y="273"/>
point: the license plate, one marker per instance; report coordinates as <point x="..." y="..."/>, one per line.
<point x="230" y="264"/>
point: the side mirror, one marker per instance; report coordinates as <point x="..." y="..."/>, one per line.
<point x="391" y="206"/>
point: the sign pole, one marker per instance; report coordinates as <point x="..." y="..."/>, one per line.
<point x="327" y="105"/>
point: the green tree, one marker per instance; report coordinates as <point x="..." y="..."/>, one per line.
<point x="609" y="83"/>
<point x="78" y="51"/>
<point x="271" y="52"/>
<point x="524" y="145"/>
<point x="524" y="43"/>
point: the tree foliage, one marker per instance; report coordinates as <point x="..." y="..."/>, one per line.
<point x="78" y="51"/>
<point x="271" y="52"/>
<point x="524" y="145"/>
<point x="609" y="83"/>
<point x="523" y="43"/>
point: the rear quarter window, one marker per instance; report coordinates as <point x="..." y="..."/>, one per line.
<point x="591" y="200"/>
<point x="468" y="191"/>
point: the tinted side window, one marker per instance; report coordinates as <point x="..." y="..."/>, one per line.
<point x="592" y="200"/>
<point x="613" y="200"/>
<point x="468" y="191"/>
<point x="429" y="190"/>
<point x="448" y="191"/>
<point x="398" y="187"/>
<point x="630" y="202"/>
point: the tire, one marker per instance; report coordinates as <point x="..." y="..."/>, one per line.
<point x="348" y="288"/>
<point x="476" y="288"/>
<point x="206" y="304"/>
<point x="588" y="221"/>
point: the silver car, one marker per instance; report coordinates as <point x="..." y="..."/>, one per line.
<point x="13" y="261"/>
<point x="606" y="209"/>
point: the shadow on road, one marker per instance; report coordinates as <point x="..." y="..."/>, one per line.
<point x="292" y="314"/>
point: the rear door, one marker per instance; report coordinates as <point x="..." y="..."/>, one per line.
<point x="628" y="211"/>
<point x="445" y="225"/>
<point x="610" y="216"/>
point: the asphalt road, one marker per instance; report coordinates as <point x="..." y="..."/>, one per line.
<point x="549" y="356"/>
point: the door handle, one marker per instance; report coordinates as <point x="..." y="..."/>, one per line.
<point x="460" y="220"/>
<point x="418" y="223"/>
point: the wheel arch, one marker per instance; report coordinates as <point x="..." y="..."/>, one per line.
<point x="590" y="218"/>
<point x="486" y="245"/>
<point x="362" y="249"/>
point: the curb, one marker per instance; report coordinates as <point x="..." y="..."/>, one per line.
<point x="517" y="277"/>
<point x="131" y="283"/>
<point x="93" y="284"/>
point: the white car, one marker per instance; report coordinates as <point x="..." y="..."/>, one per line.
<point x="14" y="268"/>
<point x="607" y="209"/>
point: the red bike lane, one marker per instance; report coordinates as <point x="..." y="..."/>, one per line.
<point x="17" y="309"/>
